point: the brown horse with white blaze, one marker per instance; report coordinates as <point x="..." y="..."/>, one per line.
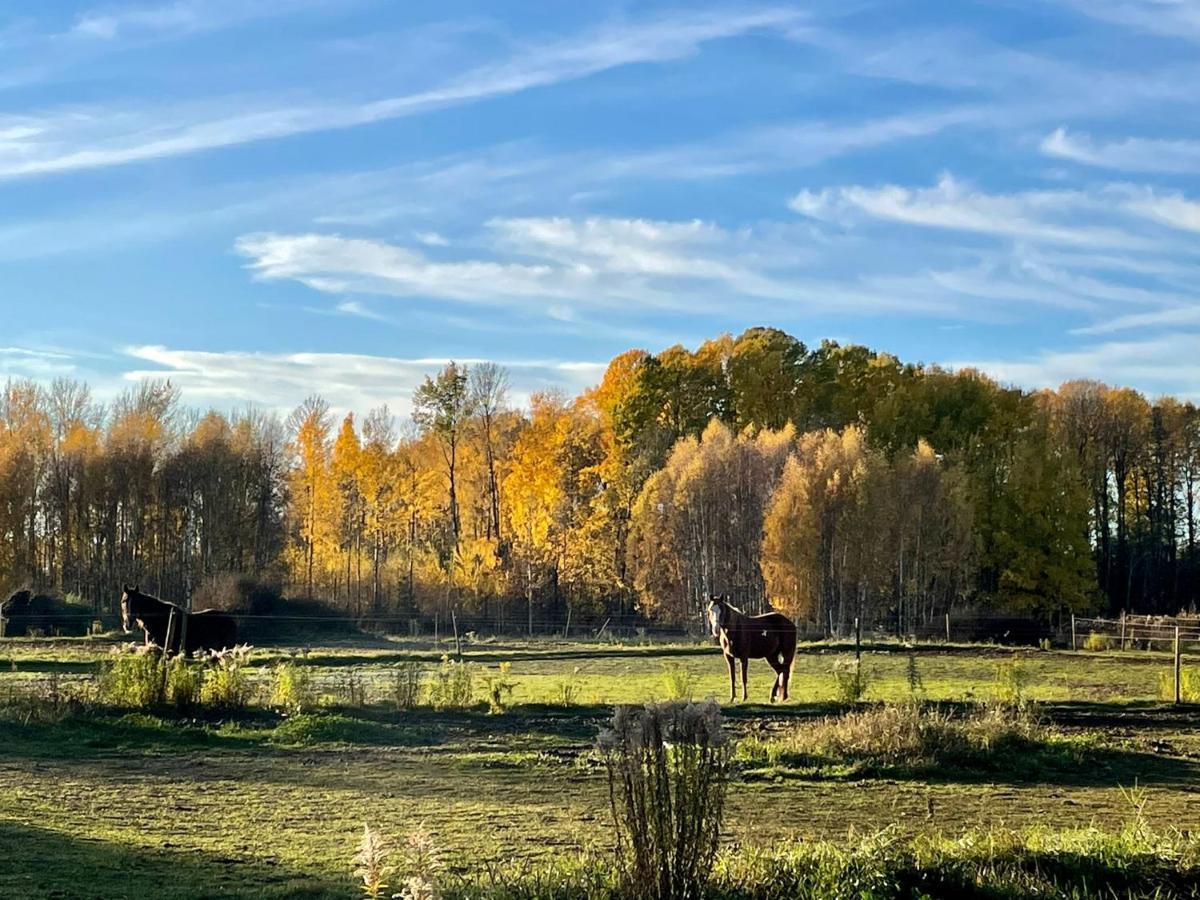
<point x="771" y="636"/>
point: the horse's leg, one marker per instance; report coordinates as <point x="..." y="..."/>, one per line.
<point x="745" y="664"/>
<point x="785" y="675"/>
<point x="773" y="659"/>
<point x="732" y="680"/>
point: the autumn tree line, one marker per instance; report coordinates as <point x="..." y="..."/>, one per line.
<point x="832" y="482"/>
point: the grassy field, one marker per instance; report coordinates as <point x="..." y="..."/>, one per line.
<point x="121" y="804"/>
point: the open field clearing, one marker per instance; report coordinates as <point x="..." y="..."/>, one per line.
<point x="261" y="804"/>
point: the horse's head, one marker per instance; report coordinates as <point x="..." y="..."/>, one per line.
<point x="717" y="613"/>
<point x="127" y="593"/>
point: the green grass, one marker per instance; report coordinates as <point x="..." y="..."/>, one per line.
<point x="123" y="804"/>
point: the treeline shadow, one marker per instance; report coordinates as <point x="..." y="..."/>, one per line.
<point x="41" y="862"/>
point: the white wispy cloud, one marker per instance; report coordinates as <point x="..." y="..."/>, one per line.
<point x="561" y="263"/>
<point x="1168" y="18"/>
<point x="349" y="381"/>
<point x="1051" y="216"/>
<point x="27" y="362"/>
<point x="1170" y="209"/>
<point x="91" y="138"/>
<point x="1132" y="154"/>
<point x="1167" y="363"/>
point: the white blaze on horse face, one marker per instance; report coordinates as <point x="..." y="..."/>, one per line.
<point x="714" y="619"/>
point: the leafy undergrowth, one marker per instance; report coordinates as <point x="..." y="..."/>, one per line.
<point x="1133" y="862"/>
<point x="918" y="740"/>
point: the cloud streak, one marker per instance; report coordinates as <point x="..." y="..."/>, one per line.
<point x="1130" y="154"/>
<point x="90" y="138"/>
<point x="349" y="381"/>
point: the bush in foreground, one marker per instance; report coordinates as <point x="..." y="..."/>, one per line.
<point x="668" y="769"/>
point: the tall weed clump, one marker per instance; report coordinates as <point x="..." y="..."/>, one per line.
<point x="678" y="682"/>
<point x="1189" y="684"/>
<point x="134" y="677"/>
<point x="850" y="680"/>
<point x="498" y="688"/>
<point x="1011" y="680"/>
<point x="668" y="769"/>
<point x="292" y="688"/>
<point x="404" y="686"/>
<point x="227" y="686"/>
<point x="451" y="686"/>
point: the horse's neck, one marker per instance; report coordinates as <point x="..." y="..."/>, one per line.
<point x="151" y="606"/>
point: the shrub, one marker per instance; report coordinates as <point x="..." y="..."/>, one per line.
<point x="1046" y="644"/>
<point x="568" y="688"/>
<point x="227" y="685"/>
<point x="913" y="738"/>
<point x="668" y="768"/>
<point x="404" y="688"/>
<point x="850" y="680"/>
<point x="498" y="689"/>
<point x="451" y="686"/>
<point x="185" y="683"/>
<point x="1096" y="642"/>
<point x="678" y="682"/>
<point x="1189" y="684"/>
<point x="291" y="688"/>
<point x="1010" y="682"/>
<point x="134" y="676"/>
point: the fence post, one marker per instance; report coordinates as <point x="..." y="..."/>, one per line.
<point x="1122" y="629"/>
<point x="567" y="627"/>
<point x="1073" y="631"/>
<point x="947" y="628"/>
<point x="1178" y="669"/>
<point x="3" y="622"/>
<point x="457" y="645"/>
<point x="857" y="639"/>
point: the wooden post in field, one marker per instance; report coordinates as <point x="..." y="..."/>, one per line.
<point x="1073" y="631"/>
<point x="947" y="628"/>
<point x="457" y="645"/>
<point x="1178" y="669"/>
<point x="183" y="623"/>
<point x="436" y="639"/>
<point x="166" y="651"/>
<point x="1122" y="629"/>
<point x="857" y="639"/>
<point x="567" y="627"/>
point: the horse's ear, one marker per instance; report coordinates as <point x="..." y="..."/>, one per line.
<point x="125" y="588"/>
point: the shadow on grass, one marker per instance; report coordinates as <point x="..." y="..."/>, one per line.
<point x="41" y="862"/>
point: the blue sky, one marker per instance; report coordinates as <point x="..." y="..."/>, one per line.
<point x="260" y="200"/>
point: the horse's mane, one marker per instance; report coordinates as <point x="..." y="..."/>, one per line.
<point x="135" y="592"/>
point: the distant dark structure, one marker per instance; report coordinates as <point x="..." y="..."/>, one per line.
<point x="771" y="636"/>
<point x="28" y="614"/>
<point x="209" y="629"/>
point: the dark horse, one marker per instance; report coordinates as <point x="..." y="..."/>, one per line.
<point x="207" y="630"/>
<point x="771" y="636"/>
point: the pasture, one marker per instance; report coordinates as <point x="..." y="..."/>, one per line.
<point x="109" y="802"/>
